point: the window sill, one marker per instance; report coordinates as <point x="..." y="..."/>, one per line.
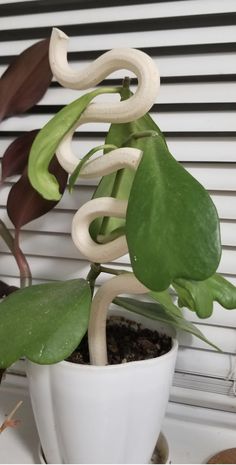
<point x="194" y="433"/>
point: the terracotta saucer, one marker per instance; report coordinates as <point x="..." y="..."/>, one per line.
<point x="225" y="456"/>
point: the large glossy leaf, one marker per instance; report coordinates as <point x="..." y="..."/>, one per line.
<point x="172" y="227"/>
<point x="24" y="204"/>
<point x="48" y="139"/>
<point x="16" y="156"/>
<point x="118" y="185"/>
<point x="158" y="312"/>
<point x="45" y="323"/>
<point x="200" y="295"/>
<point x="25" y="81"/>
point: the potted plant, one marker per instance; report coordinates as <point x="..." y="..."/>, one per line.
<point x="146" y="204"/>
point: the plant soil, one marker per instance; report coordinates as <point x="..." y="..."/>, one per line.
<point x="126" y="342"/>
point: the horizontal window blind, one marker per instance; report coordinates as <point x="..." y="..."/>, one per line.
<point x="193" y="44"/>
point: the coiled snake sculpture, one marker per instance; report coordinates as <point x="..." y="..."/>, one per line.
<point x="121" y="112"/>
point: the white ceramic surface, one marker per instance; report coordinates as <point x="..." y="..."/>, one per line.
<point x="111" y="414"/>
<point x="161" y="450"/>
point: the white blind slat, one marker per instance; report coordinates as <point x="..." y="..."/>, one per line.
<point x="60" y="222"/>
<point x="197" y="35"/>
<point x="69" y="268"/>
<point x="181" y="65"/>
<point x="189" y="149"/>
<point x="169" y="121"/>
<point x="160" y="10"/>
<point x="203" y="363"/>
<point x="225" y="202"/>
<point x="170" y="93"/>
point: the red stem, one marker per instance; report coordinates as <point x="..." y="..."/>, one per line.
<point x="25" y="273"/>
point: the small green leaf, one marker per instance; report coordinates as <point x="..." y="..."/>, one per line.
<point x="158" y="312"/>
<point x="48" y="139"/>
<point x="45" y="323"/>
<point x="172" y="227"/>
<point x="165" y="300"/>
<point x="200" y="295"/>
<point x="74" y="176"/>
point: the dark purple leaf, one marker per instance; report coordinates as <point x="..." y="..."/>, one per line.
<point x="16" y="156"/>
<point x="25" y="81"/>
<point x="5" y="289"/>
<point x="1" y="375"/>
<point x="24" y="204"/>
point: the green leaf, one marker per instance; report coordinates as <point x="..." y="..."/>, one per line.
<point x="200" y="295"/>
<point x="118" y="185"/>
<point x="165" y="300"/>
<point x="158" y="312"/>
<point x="45" y="323"/>
<point x="48" y="139"/>
<point x="74" y="176"/>
<point x="172" y="227"/>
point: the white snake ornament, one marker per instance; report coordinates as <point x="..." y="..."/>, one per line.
<point x="120" y="112"/>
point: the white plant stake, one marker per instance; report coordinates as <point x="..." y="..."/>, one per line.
<point x="122" y="112"/>
<point x="100" y="304"/>
<point x="106" y="206"/>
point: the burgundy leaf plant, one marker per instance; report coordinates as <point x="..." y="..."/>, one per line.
<point x="21" y="86"/>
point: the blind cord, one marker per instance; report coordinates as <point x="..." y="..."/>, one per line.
<point x="232" y="373"/>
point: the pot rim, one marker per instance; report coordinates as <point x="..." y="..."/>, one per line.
<point x="145" y="364"/>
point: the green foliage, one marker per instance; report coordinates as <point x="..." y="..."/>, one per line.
<point x="74" y="176"/>
<point x="45" y="323"/>
<point x="172" y="231"/>
<point x="172" y="226"/>
<point x="164" y="313"/>
<point x="165" y="299"/>
<point x="118" y="185"/>
<point x="199" y="296"/>
<point x="48" y="139"/>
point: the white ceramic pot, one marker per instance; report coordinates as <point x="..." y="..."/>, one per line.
<point x="110" y="414"/>
<point x="161" y="452"/>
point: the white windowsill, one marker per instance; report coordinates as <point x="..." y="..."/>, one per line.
<point x="194" y="433"/>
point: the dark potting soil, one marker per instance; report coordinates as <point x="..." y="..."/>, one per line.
<point x="126" y="342"/>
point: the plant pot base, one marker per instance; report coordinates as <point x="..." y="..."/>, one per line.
<point x="160" y="454"/>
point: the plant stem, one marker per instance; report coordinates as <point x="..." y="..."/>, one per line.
<point x="115" y="189"/>
<point x="96" y="269"/>
<point x="105" y="269"/>
<point x="126" y="82"/>
<point x="120" y="231"/>
<point x="13" y="245"/>
<point x="6" y="236"/>
<point x="140" y="135"/>
<point x="25" y="273"/>
<point x="94" y="272"/>
<point x="125" y="91"/>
